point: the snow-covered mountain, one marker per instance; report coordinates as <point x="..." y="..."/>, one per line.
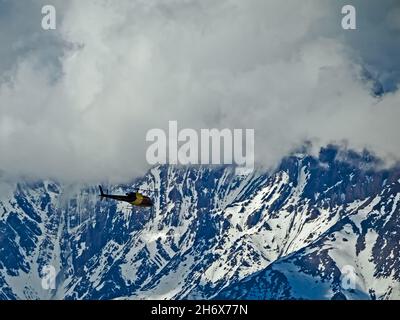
<point x="293" y="233"/>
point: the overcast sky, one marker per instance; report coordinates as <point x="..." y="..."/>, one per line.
<point x="76" y="103"/>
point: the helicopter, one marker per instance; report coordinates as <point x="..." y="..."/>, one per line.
<point x="133" y="198"/>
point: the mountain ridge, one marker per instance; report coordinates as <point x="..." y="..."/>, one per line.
<point x="211" y="234"/>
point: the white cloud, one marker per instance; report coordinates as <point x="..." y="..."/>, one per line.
<point x="130" y="66"/>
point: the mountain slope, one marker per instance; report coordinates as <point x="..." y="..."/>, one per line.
<point x="357" y="258"/>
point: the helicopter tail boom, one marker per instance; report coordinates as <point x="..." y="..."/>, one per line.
<point x="101" y="192"/>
